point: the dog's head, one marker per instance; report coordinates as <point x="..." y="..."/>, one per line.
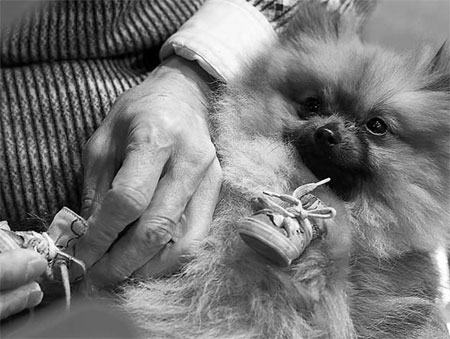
<point x="376" y="122"/>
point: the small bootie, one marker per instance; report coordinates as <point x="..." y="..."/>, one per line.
<point x="282" y="234"/>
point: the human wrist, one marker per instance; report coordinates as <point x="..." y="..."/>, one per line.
<point x="176" y="71"/>
<point x="191" y="70"/>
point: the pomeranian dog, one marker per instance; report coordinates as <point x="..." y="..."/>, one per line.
<point x="320" y="103"/>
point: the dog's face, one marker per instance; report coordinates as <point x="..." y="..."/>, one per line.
<point x="375" y="122"/>
<point x="360" y="115"/>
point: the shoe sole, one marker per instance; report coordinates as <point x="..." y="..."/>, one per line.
<point x="268" y="242"/>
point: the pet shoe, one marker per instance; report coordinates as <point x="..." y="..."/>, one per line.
<point x="282" y="234"/>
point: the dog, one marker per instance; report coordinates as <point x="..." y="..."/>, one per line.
<point x="320" y="103"/>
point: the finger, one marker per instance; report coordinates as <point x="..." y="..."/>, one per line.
<point x="20" y="266"/>
<point x="99" y="171"/>
<point x="198" y="219"/>
<point x="131" y="192"/>
<point x="23" y="297"/>
<point x="97" y="182"/>
<point x="115" y="266"/>
<point x="157" y="226"/>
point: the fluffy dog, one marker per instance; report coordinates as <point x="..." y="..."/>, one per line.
<point x="318" y="104"/>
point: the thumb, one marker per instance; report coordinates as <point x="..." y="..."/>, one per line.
<point x="20" y="266"/>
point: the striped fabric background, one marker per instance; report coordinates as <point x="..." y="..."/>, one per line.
<point x="62" y="67"/>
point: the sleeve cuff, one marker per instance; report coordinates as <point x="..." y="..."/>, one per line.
<point x="223" y="37"/>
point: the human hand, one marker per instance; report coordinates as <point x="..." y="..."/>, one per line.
<point x="18" y="290"/>
<point x="151" y="169"/>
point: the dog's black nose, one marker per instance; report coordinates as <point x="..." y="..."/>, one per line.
<point x="327" y="136"/>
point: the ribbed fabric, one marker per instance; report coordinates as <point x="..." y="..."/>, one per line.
<point x="62" y="67"/>
<point x="85" y="29"/>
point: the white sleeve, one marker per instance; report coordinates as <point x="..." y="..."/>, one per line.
<point x="222" y="36"/>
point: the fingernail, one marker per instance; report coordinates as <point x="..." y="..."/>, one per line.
<point x="35" y="296"/>
<point x="35" y="268"/>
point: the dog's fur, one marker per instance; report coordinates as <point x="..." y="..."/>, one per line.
<point x="372" y="276"/>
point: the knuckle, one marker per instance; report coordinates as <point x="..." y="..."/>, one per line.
<point x="130" y="198"/>
<point x="157" y="234"/>
<point x="173" y="124"/>
<point x="203" y="156"/>
<point x="170" y="125"/>
<point x="150" y="136"/>
<point x="137" y="147"/>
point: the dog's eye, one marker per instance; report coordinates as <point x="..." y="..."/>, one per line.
<point x="376" y="126"/>
<point x="312" y="104"/>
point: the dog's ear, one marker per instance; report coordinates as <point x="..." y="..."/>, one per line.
<point x="439" y="69"/>
<point x="328" y="20"/>
<point x="312" y="19"/>
<point x="441" y="60"/>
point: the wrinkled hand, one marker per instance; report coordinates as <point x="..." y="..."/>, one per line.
<point x="18" y="290"/>
<point x="151" y="170"/>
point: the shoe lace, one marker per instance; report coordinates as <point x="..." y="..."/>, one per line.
<point x="296" y="208"/>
